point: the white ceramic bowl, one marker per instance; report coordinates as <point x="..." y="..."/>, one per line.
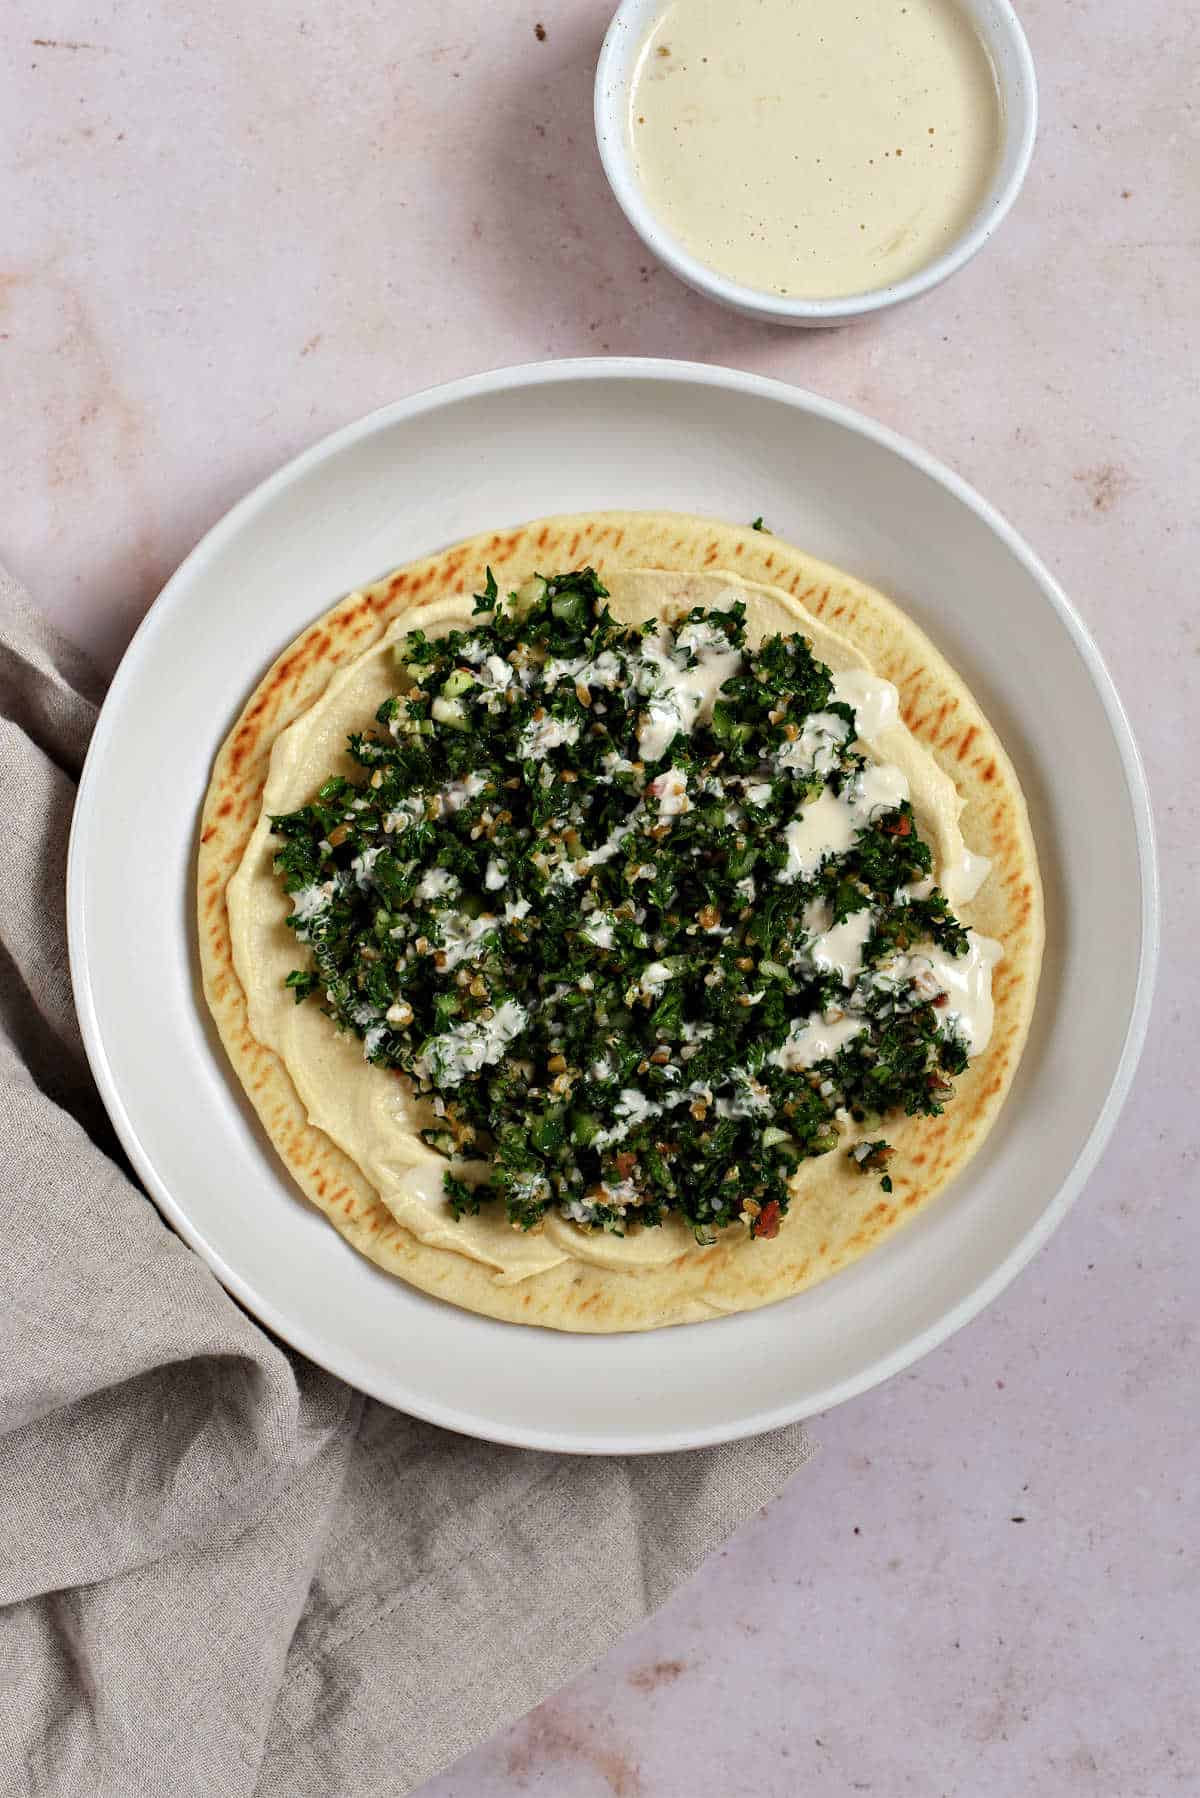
<point x="492" y="451"/>
<point x="1006" y="44"/>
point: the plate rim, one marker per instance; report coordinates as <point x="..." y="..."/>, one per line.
<point x="345" y="1364"/>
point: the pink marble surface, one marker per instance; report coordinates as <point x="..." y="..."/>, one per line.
<point x="225" y="229"/>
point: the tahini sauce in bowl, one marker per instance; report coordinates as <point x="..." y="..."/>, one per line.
<point x="815" y="149"/>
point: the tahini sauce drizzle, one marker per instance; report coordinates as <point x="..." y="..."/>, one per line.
<point x="815" y="148"/>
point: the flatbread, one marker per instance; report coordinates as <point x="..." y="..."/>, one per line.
<point x="838" y="1213"/>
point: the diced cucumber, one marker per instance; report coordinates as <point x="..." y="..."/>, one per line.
<point x="584" y="1127"/>
<point x="530" y="593"/>
<point x="450" y="712"/>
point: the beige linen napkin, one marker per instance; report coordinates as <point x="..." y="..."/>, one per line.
<point x="223" y="1571"/>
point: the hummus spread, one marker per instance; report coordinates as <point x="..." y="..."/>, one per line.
<point x="373" y="1113"/>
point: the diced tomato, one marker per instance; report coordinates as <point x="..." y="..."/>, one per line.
<point x="767" y="1221"/>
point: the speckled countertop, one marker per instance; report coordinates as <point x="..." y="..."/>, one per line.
<point x="226" y="230"/>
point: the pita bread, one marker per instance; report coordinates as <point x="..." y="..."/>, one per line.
<point x="838" y="1214"/>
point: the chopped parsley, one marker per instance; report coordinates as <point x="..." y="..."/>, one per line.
<point x="630" y="911"/>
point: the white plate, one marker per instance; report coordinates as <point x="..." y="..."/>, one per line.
<point x="495" y="450"/>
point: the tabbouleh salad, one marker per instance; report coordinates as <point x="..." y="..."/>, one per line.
<point x="579" y="896"/>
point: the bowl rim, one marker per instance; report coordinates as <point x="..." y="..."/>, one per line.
<point x="610" y="93"/>
<point x="306" y="1336"/>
